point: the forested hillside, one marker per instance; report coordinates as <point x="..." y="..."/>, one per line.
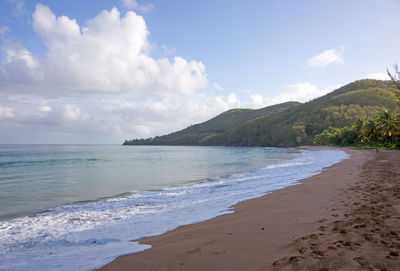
<point x="288" y="124"/>
<point x="215" y="126"/>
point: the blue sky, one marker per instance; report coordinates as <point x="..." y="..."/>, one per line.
<point x="104" y="71"/>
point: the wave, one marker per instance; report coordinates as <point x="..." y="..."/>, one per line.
<point x="25" y="163"/>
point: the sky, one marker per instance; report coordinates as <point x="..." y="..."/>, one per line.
<point x="100" y="72"/>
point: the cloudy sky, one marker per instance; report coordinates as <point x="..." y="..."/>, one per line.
<point x="108" y="70"/>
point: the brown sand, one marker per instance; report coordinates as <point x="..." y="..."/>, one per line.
<point x="346" y="218"/>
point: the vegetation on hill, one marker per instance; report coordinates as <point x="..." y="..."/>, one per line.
<point x="221" y="123"/>
<point x="298" y="125"/>
<point x="383" y="131"/>
<point x="288" y="124"/>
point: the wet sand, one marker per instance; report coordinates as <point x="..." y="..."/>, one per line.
<point x="346" y="218"/>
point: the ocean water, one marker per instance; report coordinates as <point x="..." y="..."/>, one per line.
<point x="68" y="207"/>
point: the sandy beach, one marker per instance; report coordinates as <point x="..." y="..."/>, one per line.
<point x="346" y="218"/>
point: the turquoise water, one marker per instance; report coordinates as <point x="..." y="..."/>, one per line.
<point x="66" y="207"/>
<point x="34" y="178"/>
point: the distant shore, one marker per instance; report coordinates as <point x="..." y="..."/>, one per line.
<point x="347" y="217"/>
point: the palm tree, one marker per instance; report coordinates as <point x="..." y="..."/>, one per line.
<point x="357" y="125"/>
<point x="388" y="124"/>
<point x="369" y="131"/>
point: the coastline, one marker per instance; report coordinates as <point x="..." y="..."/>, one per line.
<point x="88" y="235"/>
<point x="307" y="226"/>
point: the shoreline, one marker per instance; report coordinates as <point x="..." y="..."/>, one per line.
<point x="284" y="229"/>
<point x="99" y="231"/>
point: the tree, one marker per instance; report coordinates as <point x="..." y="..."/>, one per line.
<point x="387" y="124"/>
<point x="368" y="131"/>
<point x="395" y="76"/>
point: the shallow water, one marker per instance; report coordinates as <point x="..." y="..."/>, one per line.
<point x="78" y="207"/>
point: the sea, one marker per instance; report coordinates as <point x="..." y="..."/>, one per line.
<point x="78" y="207"/>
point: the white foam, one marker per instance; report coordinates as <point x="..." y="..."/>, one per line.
<point x="86" y="236"/>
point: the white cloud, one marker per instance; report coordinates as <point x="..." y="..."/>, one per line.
<point x="378" y="76"/>
<point x="326" y="57"/>
<point x="217" y="87"/>
<point x="72" y="113"/>
<point x="20" y="55"/>
<point x="258" y="101"/>
<point x="133" y="4"/>
<point x="300" y="92"/>
<point x="45" y="109"/>
<point x="6" y="112"/>
<point x="18" y="68"/>
<point x="112" y="118"/>
<point x="110" y="54"/>
<point x="99" y="81"/>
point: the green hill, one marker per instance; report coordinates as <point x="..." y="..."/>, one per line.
<point x="287" y="124"/>
<point x="194" y="134"/>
